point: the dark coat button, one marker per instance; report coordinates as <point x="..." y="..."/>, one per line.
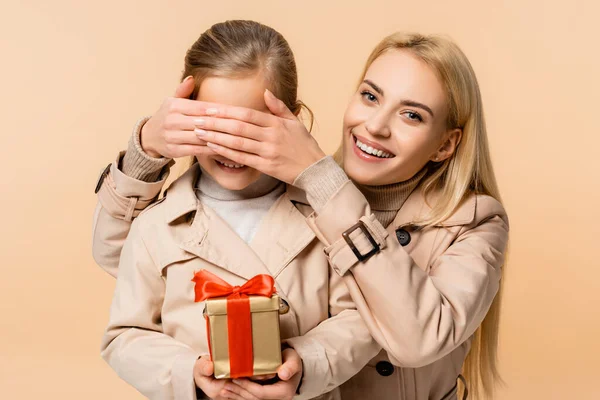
<point x="403" y="237"/>
<point x="384" y="368"/>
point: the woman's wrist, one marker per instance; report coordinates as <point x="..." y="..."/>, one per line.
<point x="146" y="146"/>
<point x="320" y="181"/>
<point x="137" y="163"/>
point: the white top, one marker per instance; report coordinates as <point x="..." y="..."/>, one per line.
<point x="242" y="210"/>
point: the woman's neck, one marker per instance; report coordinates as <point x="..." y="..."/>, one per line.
<point x="386" y="200"/>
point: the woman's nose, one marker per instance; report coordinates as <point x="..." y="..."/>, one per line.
<point x="378" y="125"/>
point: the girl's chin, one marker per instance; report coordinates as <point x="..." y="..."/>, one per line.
<point x="237" y="181"/>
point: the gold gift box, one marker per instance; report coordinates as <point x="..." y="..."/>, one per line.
<point x="266" y="340"/>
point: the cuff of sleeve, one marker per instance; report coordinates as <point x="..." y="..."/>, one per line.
<point x="315" y="367"/>
<point x="136" y="163"/>
<point x="346" y="207"/>
<point x="320" y="181"/>
<point x="124" y="197"/>
<point x="341" y="256"/>
<point x="182" y="376"/>
<point x="128" y="186"/>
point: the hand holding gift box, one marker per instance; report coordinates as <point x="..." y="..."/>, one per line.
<point x="242" y="325"/>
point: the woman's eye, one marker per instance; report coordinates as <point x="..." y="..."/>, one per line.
<point x="413" y="116"/>
<point x="369" y="96"/>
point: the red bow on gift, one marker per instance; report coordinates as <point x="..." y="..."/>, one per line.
<point x="239" y="321"/>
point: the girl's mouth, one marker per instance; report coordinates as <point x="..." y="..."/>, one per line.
<point x="230" y="166"/>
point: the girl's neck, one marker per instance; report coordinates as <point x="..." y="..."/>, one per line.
<point x="211" y="188"/>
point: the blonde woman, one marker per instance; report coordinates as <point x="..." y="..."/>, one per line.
<point x="413" y="223"/>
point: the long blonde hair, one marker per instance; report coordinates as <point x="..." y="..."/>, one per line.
<point x="469" y="171"/>
<point x="240" y="48"/>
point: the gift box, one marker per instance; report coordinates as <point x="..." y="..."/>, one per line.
<point x="242" y="324"/>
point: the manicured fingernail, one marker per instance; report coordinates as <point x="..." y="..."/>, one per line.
<point x="187" y="78"/>
<point x="269" y="93"/>
<point x="211" y="111"/>
<point x="213" y="146"/>
<point x="284" y="374"/>
<point x="199" y="121"/>
<point x="200" y="132"/>
<point x="236" y="381"/>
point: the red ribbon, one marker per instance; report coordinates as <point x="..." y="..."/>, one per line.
<point x="239" y="321"/>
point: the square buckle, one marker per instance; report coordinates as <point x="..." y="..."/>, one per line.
<point x="346" y="235"/>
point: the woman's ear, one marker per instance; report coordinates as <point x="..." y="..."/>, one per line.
<point x="449" y="145"/>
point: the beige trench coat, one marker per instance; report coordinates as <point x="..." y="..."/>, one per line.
<point x="156" y="330"/>
<point x="422" y="295"/>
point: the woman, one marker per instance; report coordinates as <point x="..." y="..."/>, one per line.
<point x="418" y="233"/>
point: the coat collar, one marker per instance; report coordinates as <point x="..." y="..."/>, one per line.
<point x="416" y="207"/>
<point x="282" y="235"/>
<point x="181" y="199"/>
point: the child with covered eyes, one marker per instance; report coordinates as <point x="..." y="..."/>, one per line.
<point x="235" y="222"/>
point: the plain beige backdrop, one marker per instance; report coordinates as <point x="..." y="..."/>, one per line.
<point x="76" y="75"/>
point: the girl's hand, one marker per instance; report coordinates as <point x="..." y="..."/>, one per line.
<point x="213" y="388"/>
<point x="170" y="131"/>
<point x="290" y="374"/>
<point x="278" y="145"/>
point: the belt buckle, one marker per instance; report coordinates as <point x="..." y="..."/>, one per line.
<point x="361" y="257"/>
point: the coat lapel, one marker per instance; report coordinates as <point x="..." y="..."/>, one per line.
<point x="282" y="235"/>
<point x="210" y="238"/>
<point x="198" y="230"/>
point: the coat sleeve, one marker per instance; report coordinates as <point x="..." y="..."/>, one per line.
<point x="134" y="344"/>
<point x="336" y="349"/>
<point x="120" y="199"/>
<point x="416" y="316"/>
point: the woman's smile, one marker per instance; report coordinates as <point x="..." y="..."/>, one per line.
<point x="370" y="151"/>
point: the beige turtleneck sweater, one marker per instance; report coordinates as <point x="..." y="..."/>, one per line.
<point x="136" y="163"/>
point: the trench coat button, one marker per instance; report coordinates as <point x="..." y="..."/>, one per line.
<point x="284" y="307"/>
<point x="384" y="368"/>
<point x="403" y="237"/>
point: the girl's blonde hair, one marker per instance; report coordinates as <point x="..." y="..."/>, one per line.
<point x="469" y="171"/>
<point x="241" y="48"/>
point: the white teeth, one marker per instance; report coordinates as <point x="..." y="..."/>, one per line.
<point x="370" y="150"/>
<point x="231" y="165"/>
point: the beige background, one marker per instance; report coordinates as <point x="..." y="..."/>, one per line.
<point x="76" y="75"/>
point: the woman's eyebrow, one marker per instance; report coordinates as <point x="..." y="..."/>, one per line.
<point x="410" y="103"/>
<point x="374" y="86"/>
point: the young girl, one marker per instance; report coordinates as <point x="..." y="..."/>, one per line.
<point x="235" y="222"/>
<point x="415" y="148"/>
